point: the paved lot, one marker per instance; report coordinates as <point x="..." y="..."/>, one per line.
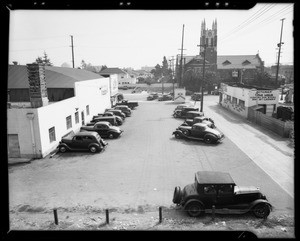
<point x="143" y="166"/>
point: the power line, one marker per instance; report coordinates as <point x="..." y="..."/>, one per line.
<point x="18" y="50"/>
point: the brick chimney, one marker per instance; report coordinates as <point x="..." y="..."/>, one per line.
<point x="37" y="85"/>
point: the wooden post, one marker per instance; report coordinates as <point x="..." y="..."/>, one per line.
<point x="107" y="216"/>
<point x="160" y="214"/>
<point x="55" y="216"/>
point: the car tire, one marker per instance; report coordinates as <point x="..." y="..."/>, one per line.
<point x="93" y="149"/>
<point x="261" y="210"/>
<point x="177" y="195"/>
<point x="194" y="209"/>
<point x="177" y="135"/>
<point x="208" y="139"/>
<point x="111" y="136"/>
<point x="62" y="149"/>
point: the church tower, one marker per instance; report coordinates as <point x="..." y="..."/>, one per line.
<point x="209" y="37"/>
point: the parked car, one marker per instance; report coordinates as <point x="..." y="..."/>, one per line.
<point x="96" y="118"/>
<point x="152" y="96"/>
<point x="182" y="113"/>
<point x="130" y="104"/>
<point x="196" y="96"/>
<point x="124" y="108"/>
<point x="116" y="112"/>
<point x="165" y="97"/>
<point x="104" y="129"/>
<point x="190" y="115"/>
<point x="181" y="106"/>
<point x="82" y="141"/>
<point x="200" y="119"/>
<point x="219" y="189"/>
<point x="199" y="131"/>
<point x="111" y="119"/>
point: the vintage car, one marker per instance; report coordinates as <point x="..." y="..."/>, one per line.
<point x="130" y="104"/>
<point x="182" y="113"/>
<point x="107" y="116"/>
<point x="152" y="96"/>
<point x="218" y="189"/>
<point x="116" y="112"/>
<point x="200" y="119"/>
<point x="199" y="131"/>
<point x="104" y="129"/>
<point x="196" y="96"/>
<point x="165" y="97"/>
<point x="190" y="115"/>
<point x="181" y="106"/>
<point x="124" y="108"/>
<point x="82" y="141"/>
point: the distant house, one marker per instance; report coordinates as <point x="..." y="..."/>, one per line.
<point x="123" y="77"/>
<point x="242" y="68"/>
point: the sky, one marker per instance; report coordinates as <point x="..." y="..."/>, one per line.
<point x="137" y="38"/>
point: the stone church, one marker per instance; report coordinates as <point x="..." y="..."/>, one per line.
<point x="228" y="68"/>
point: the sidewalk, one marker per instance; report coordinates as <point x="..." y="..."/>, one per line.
<point x="18" y="160"/>
<point x="272" y="153"/>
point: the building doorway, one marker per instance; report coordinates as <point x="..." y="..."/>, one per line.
<point x="82" y="118"/>
<point x="13" y="145"/>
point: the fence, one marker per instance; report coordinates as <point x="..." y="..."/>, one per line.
<point x="282" y="128"/>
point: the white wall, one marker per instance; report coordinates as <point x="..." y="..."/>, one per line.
<point x="94" y="93"/>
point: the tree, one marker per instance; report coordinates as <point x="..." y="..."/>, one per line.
<point x="43" y="60"/>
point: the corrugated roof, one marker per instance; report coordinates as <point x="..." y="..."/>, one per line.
<point x="112" y="71"/>
<point x="237" y="61"/>
<point x="56" y="77"/>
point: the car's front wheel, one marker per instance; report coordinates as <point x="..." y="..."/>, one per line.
<point x="111" y="136"/>
<point x="194" y="209"/>
<point x="62" y="149"/>
<point x="208" y="139"/>
<point x="261" y="210"/>
<point x="93" y="149"/>
<point x="177" y="135"/>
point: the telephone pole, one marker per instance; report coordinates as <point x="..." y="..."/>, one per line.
<point x="172" y="75"/>
<point x="203" y="76"/>
<point x="72" y="50"/>
<point x="279" y="45"/>
<point x="181" y="67"/>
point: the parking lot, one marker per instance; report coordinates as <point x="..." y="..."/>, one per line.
<point x="139" y="169"/>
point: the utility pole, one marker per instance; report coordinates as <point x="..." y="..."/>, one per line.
<point x="181" y="67"/>
<point x="172" y="75"/>
<point x="72" y="50"/>
<point x="203" y="76"/>
<point x="279" y="45"/>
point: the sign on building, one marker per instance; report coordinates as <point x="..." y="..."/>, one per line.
<point x="179" y="95"/>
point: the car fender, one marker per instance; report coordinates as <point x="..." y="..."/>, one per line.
<point x="192" y="200"/>
<point x="178" y="132"/>
<point x="254" y="203"/>
<point x="63" y="144"/>
<point x="94" y="144"/>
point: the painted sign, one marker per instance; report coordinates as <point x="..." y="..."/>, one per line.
<point x="179" y="95"/>
<point x="264" y="95"/>
<point x="104" y="89"/>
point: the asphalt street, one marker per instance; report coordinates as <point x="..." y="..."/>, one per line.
<point x="143" y="166"/>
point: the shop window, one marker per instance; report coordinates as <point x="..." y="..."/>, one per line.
<point x="87" y="110"/>
<point x="76" y="117"/>
<point x="52" y="134"/>
<point x="234" y="100"/>
<point x="69" y="122"/>
<point x="242" y="103"/>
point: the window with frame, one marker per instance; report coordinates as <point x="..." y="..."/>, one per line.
<point x="52" y="134"/>
<point x="87" y="110"/>
<point x="209" y="189"/>
<point x="228" y="97"/>
<point x="234" y="100"/>
<point x="76" y="117"/>
<point x="242" y="103"/>
<point x="69" y="122"/>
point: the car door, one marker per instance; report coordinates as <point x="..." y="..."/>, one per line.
<point x="209" y="195"/>
<point x="76" y="143"/>
<point x="87" y="140"/>
<point x="225" y="195"/>
<point x="101" y="129"/>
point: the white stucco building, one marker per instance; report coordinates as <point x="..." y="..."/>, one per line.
<point x="36" y="132"/>
<point x="239" y="98"/>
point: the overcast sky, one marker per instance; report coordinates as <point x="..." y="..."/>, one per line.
<point x="136" y="38"/>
